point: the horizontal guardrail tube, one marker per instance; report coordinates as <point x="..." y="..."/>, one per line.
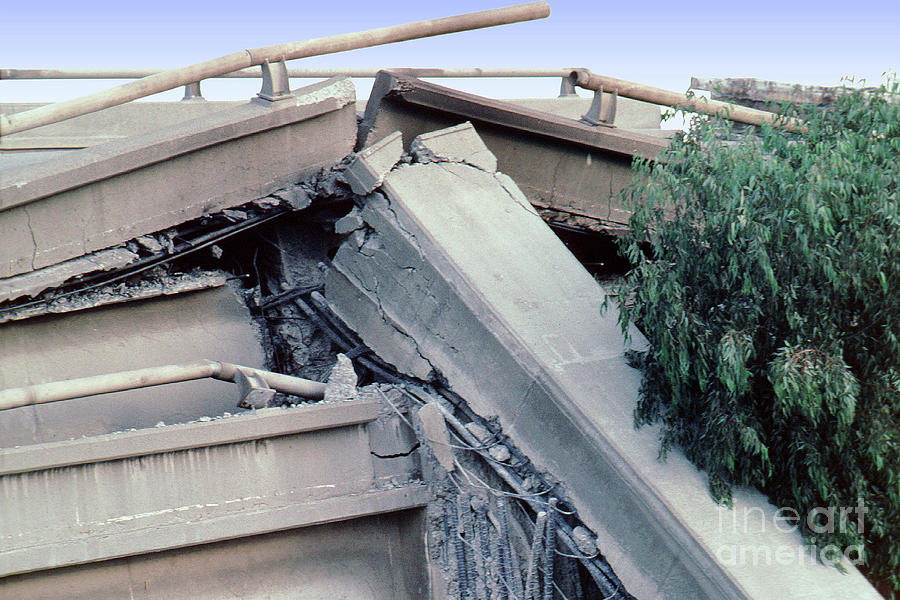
<point x="637" y="91"/>
<point x="299" y="73"/>
<point x="141" y="378"/>
<point x="174" y="78"/>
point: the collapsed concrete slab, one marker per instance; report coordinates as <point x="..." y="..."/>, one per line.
<point x="568" y="168"/>
<point x="151" y="490"/>
<point x="457" y="274"/>
<point x="100" y="196"/>
<point x="181" y="328"/>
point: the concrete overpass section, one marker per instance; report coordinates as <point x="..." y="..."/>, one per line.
<point x="573" y="170"/>
<point x="283" y="501"/>
<point x="100" y="196"/>
<point x="439" y="278"/>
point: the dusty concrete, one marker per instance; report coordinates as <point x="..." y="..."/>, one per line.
<point x="31" y="284"/>
<point x="106" y="125"/>
<point x="557" y="162"/>
<point x="104" y="195"/>
<point x="164" y="496"/>
<point x="522" y="337"/>
<point x="377" y="558"/>
<point x="172" y="329"/>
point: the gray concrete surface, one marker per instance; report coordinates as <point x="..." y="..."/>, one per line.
<point x="457" y="265"/>
<point x="301" y="466"/>
<point x="100" y="196"/>
<point x="183" y="328"/>
<point x="373" y="558"/>
<point x="106" y="125"/>
<point x="557" y="162"/>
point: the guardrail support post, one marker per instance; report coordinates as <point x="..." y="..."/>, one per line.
<point x="596" y="115"/>
<point x="275" y="82"/>
<point x="192" y="93"/>
<point x="567" y="88"/>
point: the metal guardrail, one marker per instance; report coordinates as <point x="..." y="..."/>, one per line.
<point x="628" y="89"/>
<point x="192" y="90"/>
<point x="256" y="72"/>
<point x="257" y="386"/>
<point x="274" y="78"/>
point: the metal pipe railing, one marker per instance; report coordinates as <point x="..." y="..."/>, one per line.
<point x="637" y="91"/>
<point x="129" y="380"/>
<point x="255" y="73"/>
<point x="173" y="78"/>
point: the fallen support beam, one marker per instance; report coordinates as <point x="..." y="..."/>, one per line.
<point x="557" y="162"/>
<point x="457" y="266"/>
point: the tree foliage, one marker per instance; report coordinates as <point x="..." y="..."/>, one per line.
<point x="767" y="279"/>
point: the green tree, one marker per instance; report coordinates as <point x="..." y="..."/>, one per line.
<point x="767" y="279"/>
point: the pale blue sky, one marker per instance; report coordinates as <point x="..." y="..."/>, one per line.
<point x="657" y="43"/>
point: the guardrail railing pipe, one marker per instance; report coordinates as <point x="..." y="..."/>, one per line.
<point x="43" y="393"/>
<point x="638" y="91"/>
<point x="174" y="78"/>
<point x="320" y="72"/>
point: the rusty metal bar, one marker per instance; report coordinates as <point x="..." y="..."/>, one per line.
<point x="638" y="91"/>
<point x="300" y="73"/>
<point x="174" y="78"/>
<point x="129" y="380"/>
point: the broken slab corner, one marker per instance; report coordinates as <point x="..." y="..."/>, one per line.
<point x="460" y="143"/>
<point x="367" y="170"/>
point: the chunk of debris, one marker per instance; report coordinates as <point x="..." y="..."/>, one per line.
<point x="349" y="222"/>
<point x="297" y="196"/>
<point x="454" y="144"/>
<point x="436" y="436"/>
<point x="150" y="243"/>
<point x="366" y="172"/>
<point x="500" y="453"/>
<point x="341" y="383"/>
<point x="479" y="431"/>
<point x="584" y="541"/>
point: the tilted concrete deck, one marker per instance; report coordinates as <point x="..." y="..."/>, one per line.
<point x="455" y="272"/>
<point x="93" y="198"/>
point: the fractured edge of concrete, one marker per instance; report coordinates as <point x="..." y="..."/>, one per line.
<point x="438" y="282"/>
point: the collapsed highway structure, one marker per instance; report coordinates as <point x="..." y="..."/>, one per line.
<point x="305" y="347"/>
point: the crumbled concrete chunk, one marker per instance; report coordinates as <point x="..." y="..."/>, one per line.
<point x="584" y="541"/>
<point x="296" y="196"/>
<point x="479" y="432"/>
<point x="148" y="242"/>
<point x="436" y="436"/>
<point x="368" y="169"/>
<point x="500" y="453"/>
<point x="341" y="383"/>
<point x="349" y="222"/>
<point x="454" y="144"/>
